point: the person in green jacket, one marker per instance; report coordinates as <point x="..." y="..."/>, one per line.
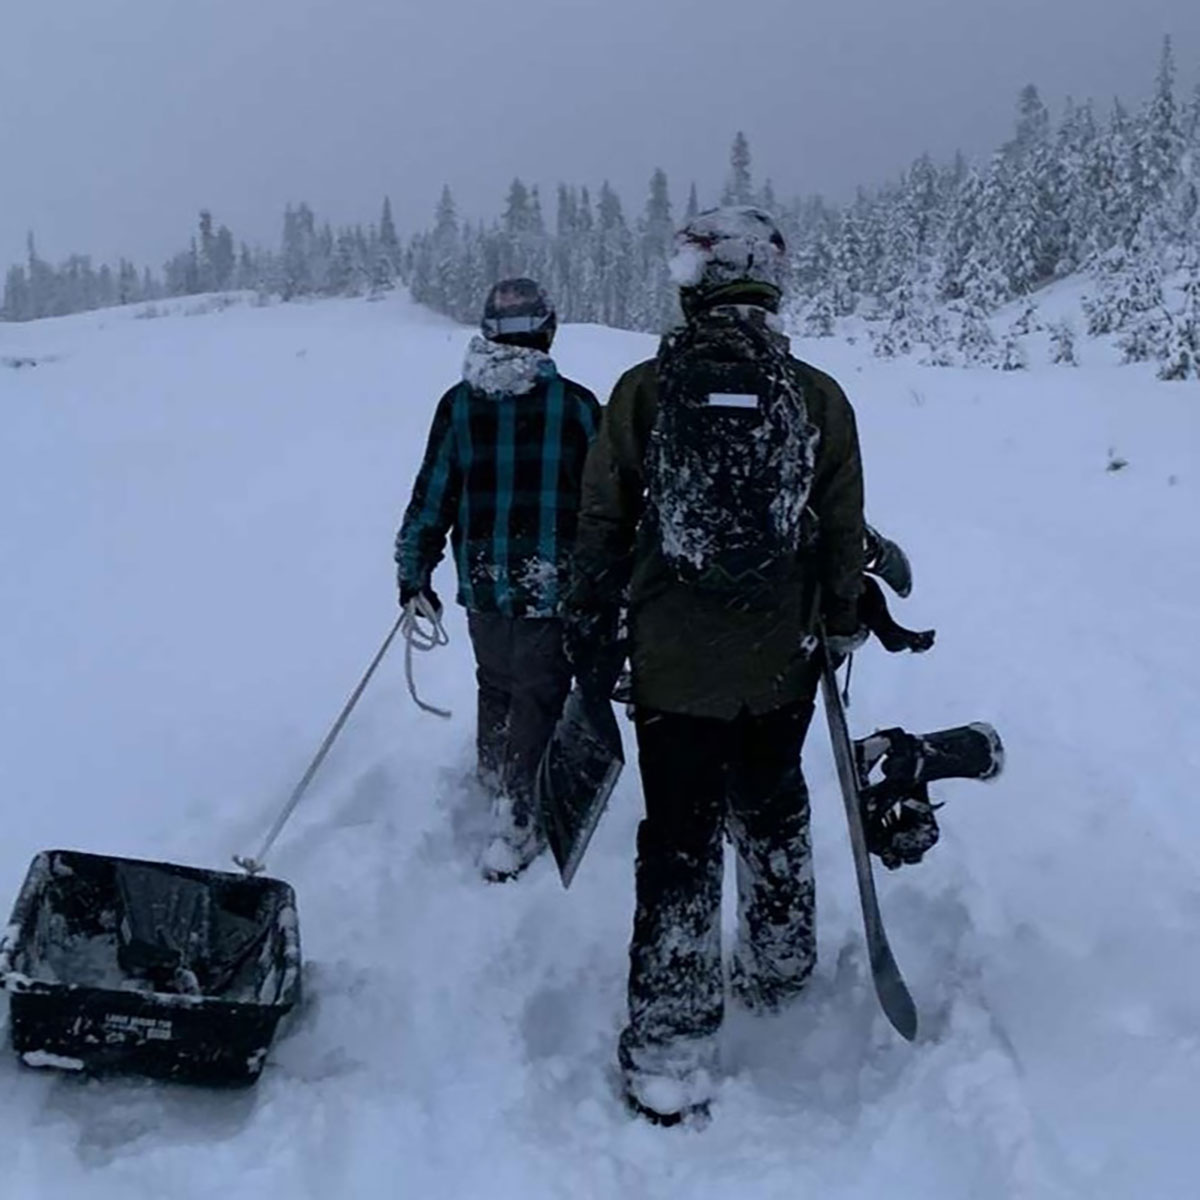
<point x="722" y="515"/>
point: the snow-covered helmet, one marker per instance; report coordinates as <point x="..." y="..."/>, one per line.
<point x="723" y="247"/>
<point x="519" y="313"/>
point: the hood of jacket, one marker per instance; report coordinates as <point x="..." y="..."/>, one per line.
<point x="498" y="370"/>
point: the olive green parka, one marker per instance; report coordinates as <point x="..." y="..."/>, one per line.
<point x="690" y="651"/>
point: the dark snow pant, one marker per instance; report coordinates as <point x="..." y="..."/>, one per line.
<point x="701" y="777"/>
<point x="523" y="677"/>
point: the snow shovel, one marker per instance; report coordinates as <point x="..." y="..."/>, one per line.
<point x="580" y="767"/>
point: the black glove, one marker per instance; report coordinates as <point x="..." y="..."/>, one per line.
<point x="594" y="647"/>
<point x="409" y="592"/>
<point x="844" y="630"/>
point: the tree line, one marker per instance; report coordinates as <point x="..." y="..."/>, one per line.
<point x="312" y="259"/>
<point x="922" y="260"/>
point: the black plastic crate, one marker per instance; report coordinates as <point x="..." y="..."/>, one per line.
<point x="121" y="965"/>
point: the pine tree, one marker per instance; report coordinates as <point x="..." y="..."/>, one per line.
<point x="128" y="287"/>
<point x="1160" y="142"/>
<point x="389" y="245"/>
<point x="1080" y="200"/>
<point x="614" y="260"/>
<point x="820" y="321"/>
<point x="1123" y="198"/>
<point x="40" y="281"/>
<point x="1033" y="124"/>
<point x="16" y="305"/>
<point x="1181" y="349"/>
<point x="1105" y="309"/>
<point x="296" y="242"/>
<point x="1027" y="321"/>
<point x="976" y="342"/>
<point x="205" y="268"/>
<point x="588" y="290"/>
<point x="1062" y="344"/>
<point x="1012" y="354"/>
<point x="693" y="204"/>
<point x="248" y="277"/>
<point x="964" y="233"/>
<point x="224" y="259"/>
<point x="739" y="187"/>
<point x="1030" y="235"/>
<point x="518" y="211"/>
<point x="565" y="253"/>
<point x="655" y="309"/>
<point x="1146" y="324"/>
<point x="847" y="266"/>
<point x="1191" y="121"/>
<point x="449" y="293"/>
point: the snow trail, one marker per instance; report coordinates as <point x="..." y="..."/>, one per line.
<point x="195" y="568"/>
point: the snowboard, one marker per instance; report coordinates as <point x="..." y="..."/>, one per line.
<point x="577" y="774"/>
<point x="894" y="997"/>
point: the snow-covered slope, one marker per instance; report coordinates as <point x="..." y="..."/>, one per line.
<point x="194" y="569"/>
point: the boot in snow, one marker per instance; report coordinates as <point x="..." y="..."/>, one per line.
<point x="696" y="1115"/>
<point x="516" y="840"/>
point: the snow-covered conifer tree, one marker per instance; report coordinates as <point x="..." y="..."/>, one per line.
<point x="614" y="260"/>
<point x="1181" y="347"/>
<point x="1062" y="344"/>
<point x="206" y="275"/>
<point x="1159" y="145"/>
<point x="655" y="303"/>
<point x="389" y="243"/>
<point x="739" y="187"/>
<point x="847" y="282"/>
<point x="820" y="319"/>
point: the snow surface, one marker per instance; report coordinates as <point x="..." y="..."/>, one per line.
<point x="195" y="568"/>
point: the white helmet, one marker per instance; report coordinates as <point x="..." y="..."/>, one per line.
<point x="727" y="246"/>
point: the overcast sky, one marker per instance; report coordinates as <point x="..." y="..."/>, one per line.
<point x="119" y="119"/>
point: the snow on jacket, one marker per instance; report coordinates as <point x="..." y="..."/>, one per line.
<point x="501" y="475"/>
<point x="690" y="651"/>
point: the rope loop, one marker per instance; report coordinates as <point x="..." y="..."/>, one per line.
<point x="423" y="630"/>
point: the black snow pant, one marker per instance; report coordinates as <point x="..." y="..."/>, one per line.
<point x="523" y="677"/>
<point x="699" y="778"/>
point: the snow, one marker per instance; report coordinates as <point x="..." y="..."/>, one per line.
<point x="195" y="567"/>
<point x="40" y="1058"/>
<point x="727" y="245"/>
<point x="500" y="370"/>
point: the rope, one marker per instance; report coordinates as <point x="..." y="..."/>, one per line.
<point x="421" y="625"/>
<point x="253" y="865"/>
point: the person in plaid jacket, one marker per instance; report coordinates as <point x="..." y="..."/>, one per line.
<point x="501" y="476"/>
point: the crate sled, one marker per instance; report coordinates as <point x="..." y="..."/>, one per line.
<point x="121" y="965"/>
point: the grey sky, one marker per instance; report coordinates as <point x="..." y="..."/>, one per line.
<point x="120" y="118"/>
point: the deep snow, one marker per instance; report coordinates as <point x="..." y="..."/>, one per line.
<point x="194" y="569"/>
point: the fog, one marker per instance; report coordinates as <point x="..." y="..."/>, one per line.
<point x="118" y="121"/>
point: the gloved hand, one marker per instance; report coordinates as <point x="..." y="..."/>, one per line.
<point x="409" y="592"/>
<point x="844" y="631"/>
<point x="593" y="646"/>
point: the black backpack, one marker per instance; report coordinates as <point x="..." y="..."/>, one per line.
<point x="731" y="456"/>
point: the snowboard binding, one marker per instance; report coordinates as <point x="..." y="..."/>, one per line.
<point x="895" y="768"/>
<point x="886" y="559"/>
<point x="873" y="614"/>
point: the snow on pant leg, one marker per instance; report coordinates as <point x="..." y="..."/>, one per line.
<point x="541" y="678"/>
<point x="491" y="639"/>
<point x="676" y="986"/>
<point x="769" y="823"/>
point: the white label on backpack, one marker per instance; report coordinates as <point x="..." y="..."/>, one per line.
<point x="732" y="400"/>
